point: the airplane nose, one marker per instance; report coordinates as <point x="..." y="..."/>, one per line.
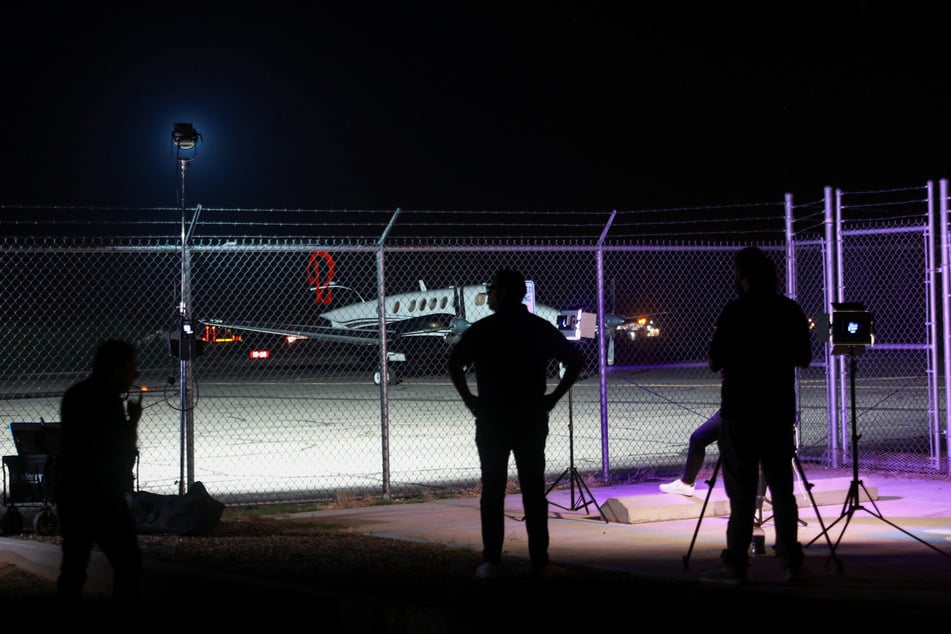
<point x="612" y="321"/>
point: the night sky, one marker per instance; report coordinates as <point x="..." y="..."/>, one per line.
<point x="459" y="105"/>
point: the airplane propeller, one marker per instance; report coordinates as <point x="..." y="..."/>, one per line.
<point x="611" y="323"/>
<point x="615" y="323"/>
<point x="458" y="324"/>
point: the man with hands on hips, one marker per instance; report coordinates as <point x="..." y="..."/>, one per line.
<point x="511" y="351"/>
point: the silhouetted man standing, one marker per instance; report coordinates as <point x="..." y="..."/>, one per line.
<point x="759" y="340"/>
<point x="94" y="476"/>
<point x="510" y="351"/>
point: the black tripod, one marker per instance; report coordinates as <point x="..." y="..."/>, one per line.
<point x="584" y="498"/>
<point x="757" y="545"/>
<point x="853" y="501"/>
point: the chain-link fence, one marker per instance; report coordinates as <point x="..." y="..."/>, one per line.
<point x="888" y="265"/>
<point x="265" y="367"/>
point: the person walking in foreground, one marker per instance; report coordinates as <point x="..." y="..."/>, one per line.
<point x="94" y="474"/>
<point x="510" y="351"/>
<point x="759" y="340"/>
<point x="701" y="438"/>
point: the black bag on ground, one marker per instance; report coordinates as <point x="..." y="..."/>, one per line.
<point x="195" y="513"/>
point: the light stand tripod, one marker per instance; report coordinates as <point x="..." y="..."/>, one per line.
<point x="185" y="138"/>
<point x="757" y="520"/>
<point x="853" y="502"/>
<point x="584" y="498"/>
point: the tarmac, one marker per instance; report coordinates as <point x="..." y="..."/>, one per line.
<point x="877" y="551"/>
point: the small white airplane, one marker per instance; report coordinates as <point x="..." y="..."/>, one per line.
<point x="441" y="314"/>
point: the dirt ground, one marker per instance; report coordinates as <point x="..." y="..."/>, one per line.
<point x="423" y="578"/>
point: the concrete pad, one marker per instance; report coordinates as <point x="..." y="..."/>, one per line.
<point x="660" y="507"/>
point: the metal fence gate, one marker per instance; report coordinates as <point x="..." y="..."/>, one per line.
<point x="890" y="267"/>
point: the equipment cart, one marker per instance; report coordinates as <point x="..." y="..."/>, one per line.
<point x="28" y="477"/>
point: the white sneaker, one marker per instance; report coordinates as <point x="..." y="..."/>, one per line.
<point x="488" y="570"/>
<point x="677" y="487"/>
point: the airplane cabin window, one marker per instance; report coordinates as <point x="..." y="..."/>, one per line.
<point x="412" y="305"/>
<point x="480" y="298"/>
<point x="432" y="303"/>
<point x="396" y="308"/>
<point x="443" y="301"/>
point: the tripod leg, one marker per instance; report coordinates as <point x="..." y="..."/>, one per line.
<point x="878" y="514"/>
<point x="848" y="509"/>
<point x="564" y="473"/>
<point x="759" y="535"/>
<point x="585" y="497"/>
<point x="706" y="500"/>
<point x="815" y="507"/>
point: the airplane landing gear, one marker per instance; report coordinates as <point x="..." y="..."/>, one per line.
<point x="391" y="378"/>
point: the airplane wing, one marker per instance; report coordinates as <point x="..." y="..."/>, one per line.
<point x="321" y="333"/>
<point x="435" y="325"/>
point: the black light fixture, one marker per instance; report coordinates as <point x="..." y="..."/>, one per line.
<point x="184" y="136"/>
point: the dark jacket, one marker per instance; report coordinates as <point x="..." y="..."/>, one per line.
<point x="759" y="341"/>
<point x="512" y="350"/>
<point x="99" y="444"/>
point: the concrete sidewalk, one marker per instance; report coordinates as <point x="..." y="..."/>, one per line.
<point x="891" y="550"/>
<point x="619" y="518"/>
